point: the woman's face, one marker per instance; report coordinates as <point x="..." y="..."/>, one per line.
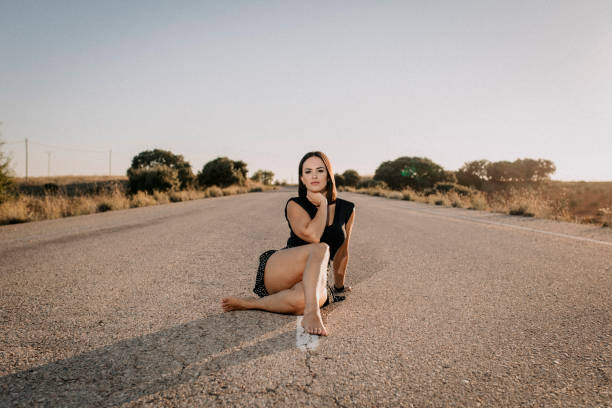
<point x="314" y="174"/>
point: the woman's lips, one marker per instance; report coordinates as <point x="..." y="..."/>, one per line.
<point x="315" y="182"/>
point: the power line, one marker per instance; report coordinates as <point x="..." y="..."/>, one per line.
<point x="69" y="148"/>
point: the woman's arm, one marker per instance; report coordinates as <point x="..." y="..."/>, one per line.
<point x="342" y="256"/>
<point x="310" y="230"/>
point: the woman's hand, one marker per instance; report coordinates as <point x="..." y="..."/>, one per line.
<point x="316" y="198"/>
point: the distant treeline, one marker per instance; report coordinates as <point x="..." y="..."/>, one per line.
<point x="420" y="174"/>
<point x="163" y="170"/>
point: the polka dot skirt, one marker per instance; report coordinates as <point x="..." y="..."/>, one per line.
<point x="260" y="288"/>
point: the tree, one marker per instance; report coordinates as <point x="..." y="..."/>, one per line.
<point x="339" y="179"/>
<point x="222" y="172"/>
<point x="417" y="173"/>
<point x="157" y="157"/>
<point x="160" y="178"/>
<point x="263" y="176"/>
<point x="519" y="171"/>
<point x="473" y="173"/>
<point x="351" y="178"/>
<point x="544" y="169"/>
<point x="6" y="179"/>
<point x="499" y="171"/>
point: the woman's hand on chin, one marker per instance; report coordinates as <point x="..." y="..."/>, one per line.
<point x="316" y="198"/>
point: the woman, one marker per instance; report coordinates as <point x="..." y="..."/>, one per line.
<point x="293" y="280"/>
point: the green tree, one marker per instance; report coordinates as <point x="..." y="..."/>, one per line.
<point x="222" y="172"/>
<point x="150" y="159"/>
<point x="339" y="179"/>
<point x="351" y="178"/>
<point x="473" y="173"/>
<point x="6" y="179"/>
<point x="519" y="171"/>
<point x="263" y="176"/>
<point x="160" y="178"/>
<point x="417" y="173"/>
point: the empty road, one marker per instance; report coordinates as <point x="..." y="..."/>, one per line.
<point x="450" y="307"/>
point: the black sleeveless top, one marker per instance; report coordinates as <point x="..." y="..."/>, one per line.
<point x="333" y="235"/>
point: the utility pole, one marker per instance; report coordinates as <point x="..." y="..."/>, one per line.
<point x="48" y="164"/>
<point x="110" y="156"/>
<point x="26" y="143"/>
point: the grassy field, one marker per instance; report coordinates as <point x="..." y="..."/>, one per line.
<point x="579" y="202"/>
<point x="43" y="198"/>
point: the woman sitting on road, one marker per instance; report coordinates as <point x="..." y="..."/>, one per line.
<point x="293" y="280"/>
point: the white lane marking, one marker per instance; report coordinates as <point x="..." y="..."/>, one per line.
<point x="304" y="341"/>
<point x="557" y="234"/>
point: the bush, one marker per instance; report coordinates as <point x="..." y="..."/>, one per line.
<point x="371" y="183"/>
<point x="6" y="181"/>
<point x="351" y="178"/>
<point x="161" y="178"/>
<point x="51" y="188"/>
<point x="408" y="195"/>
<point x="417" y="173"/>
<point x="473" y="173"/>
<point x="339" y="179"/>
<point x="150" y="159"/>
<point x="213" y="191"/>
<point x="222" y="172"/>
<point x="395" y="195"/>
<point x="142" y="199"/>
<point x="263" y="176"/>
<point x="446" y="187"/>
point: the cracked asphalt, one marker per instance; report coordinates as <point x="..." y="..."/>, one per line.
<point x="450" y="307"/>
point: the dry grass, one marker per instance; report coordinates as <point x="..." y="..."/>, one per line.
<point x="580" y="202"/>
<point x="25" y="208"/>
<point x="63" y="180"/>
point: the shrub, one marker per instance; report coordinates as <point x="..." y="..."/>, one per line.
<point x="339" y="179"/>
<point x="395" y="195"/>
<point x="473" y="173"/>
<point x="408" y="195"/>
<point x="417" y="173"/>
<point x="6" y="180"/>
<point x="234" y="190"/>
<point x="104" y="206"/>
<point x="161" y="197"/>
<point x="213" y="191"/>
<point x="222" y="172"/>
<point x="160" y="178"/>
<point x="371" y="183"/>
<point x="446" y="187"/>
<point x="150" y="159"/>
<point x="351" y="178"/>
<point x="51" y="188"/>
<point x="521" y="210"/>
<point x="263" y="176"/>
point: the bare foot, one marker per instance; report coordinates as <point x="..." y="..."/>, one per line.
<point x="235" y="303"/>
<point x="313" y="324"/>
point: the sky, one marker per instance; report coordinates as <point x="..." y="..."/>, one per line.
<point x="267" y="81"/>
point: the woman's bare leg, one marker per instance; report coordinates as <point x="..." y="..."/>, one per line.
<point x="288" y="301"/>
<point x="284" y="270"/>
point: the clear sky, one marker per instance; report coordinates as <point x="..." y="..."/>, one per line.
<point x="267" y="81"/>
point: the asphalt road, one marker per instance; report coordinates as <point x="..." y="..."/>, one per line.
<point x="450" y="307"/>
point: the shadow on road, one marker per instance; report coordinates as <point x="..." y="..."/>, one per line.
<point x="148" y="364"/>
